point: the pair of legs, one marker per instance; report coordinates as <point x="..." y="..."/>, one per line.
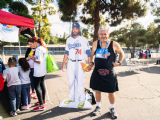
<point x="14" y="92"/>
<point x="111" y="97"/>
<point x="32" y="79"/>
<point x="39" y="82"/>
<point x="76" y="74"/>
<point x="26" y="94"/>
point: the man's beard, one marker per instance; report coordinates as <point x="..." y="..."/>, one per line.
<point x="75" y="34"/>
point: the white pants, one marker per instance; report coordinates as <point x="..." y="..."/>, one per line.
<point x="76" y="74"/>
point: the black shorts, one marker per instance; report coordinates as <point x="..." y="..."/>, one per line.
<point x="149" y="55"/>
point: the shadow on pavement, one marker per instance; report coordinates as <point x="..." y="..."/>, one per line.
<point x="50" y="76"/>
<point x="124" y="74"/>
<point x="153" y="69"/>
<point x="54" y="112"/>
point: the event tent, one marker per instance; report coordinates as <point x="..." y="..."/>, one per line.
<point x="15" y="20"/>
<point x="12" y="19"/>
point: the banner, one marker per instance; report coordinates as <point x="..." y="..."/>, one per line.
<point x="9" y="33"/>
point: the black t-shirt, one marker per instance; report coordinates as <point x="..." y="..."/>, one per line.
<point x="27" y="52"/>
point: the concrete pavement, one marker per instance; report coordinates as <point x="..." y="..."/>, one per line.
<point x="138" y="97"/>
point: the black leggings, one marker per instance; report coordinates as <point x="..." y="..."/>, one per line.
<point x="39" y="82"/>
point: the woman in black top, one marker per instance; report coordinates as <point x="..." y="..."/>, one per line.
<point x="31" y="63"/>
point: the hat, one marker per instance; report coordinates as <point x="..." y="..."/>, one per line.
<point x="75" y="25"/>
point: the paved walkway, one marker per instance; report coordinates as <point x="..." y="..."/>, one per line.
<point x="138" y="98"/>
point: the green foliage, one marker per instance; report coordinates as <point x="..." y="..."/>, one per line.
<point x="4" y="3"/>
<point x="23" y="41"/>
<point x="20" y="9"/>
<point x="41" y="10"/>
<point x="85" y="33"/>
<point x="132" y="36"/>
<point x="117" y="10"/>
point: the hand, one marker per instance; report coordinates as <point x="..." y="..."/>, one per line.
<point x="116" y="64"/>
<point x="63" y="68"/>
<point x="27" y="58"/>
<point x="89" y="68"/>
<point x="32" y="58"/>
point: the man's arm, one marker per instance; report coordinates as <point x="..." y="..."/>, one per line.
<point x="64" y="61"/>
<point x="118" y="49"/>
<point x="94" y="47"/>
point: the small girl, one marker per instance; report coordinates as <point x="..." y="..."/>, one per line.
<point x="14" y="85"/>
<point x="24" y="71"/>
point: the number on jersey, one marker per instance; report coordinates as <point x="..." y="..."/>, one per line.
<point x="78" y="51"/>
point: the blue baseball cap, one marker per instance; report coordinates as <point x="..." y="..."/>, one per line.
<point x="76" y="25"/>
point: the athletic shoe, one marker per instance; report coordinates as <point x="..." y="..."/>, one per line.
<point x="32" y="94"/>
<point x="18" y="110"/>
<point x="44" y="103"/>
<point x="81" y="105"/>
<point x="39" y="108"/>
<point x="96" y="111"/>
<point x="13" y="113"/>
<point x="29" y="105"/>
<point x="68" y="101"/>
<point x="1" y="117"/>
<point x="35" y="97"/>
<point x="24" y="107"/>
<point x="113" y="113"/>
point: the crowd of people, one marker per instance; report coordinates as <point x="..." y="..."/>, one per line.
<point x="144" y="53"/>
<point x="30" y="72"/>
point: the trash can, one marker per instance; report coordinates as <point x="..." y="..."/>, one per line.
<point x="16" y="56"/>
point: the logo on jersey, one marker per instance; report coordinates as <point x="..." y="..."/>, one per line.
<point x="74" y="45"/>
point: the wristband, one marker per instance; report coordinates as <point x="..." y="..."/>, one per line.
<point x="119" y="63"/>
<point x="92" y="62"/>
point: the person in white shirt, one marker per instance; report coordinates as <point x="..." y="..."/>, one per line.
<point x="77" y="47"/>
<point x="24" y="71"/>
<point x="39" y="70"/>
<point x="10" y="75"/>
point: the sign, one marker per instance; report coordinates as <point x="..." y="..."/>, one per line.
<point x="9" y="33"/>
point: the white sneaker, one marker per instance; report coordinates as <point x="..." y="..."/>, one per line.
<point x="24" y="107"/>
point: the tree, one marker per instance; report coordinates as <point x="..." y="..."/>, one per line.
<point x="131" y="35"/>
<point x="156" y="31"/>
<point x="153" y="35"/>
<point x="20" y="9"/>
<point x="4" y="3"/>
<point x="85" y="33"/>
<point x="117" y="11"/>
<point x="41" y="9"/>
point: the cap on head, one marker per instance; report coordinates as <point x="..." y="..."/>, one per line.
<point x="103" y="28"/>
<point x="76" y="25"/>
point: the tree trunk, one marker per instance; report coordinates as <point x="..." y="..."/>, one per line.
<point x="39" y="29"/>
<point x="39" y="26"/>
<point x="96" y="21"/>
<point x="132" y="54"/>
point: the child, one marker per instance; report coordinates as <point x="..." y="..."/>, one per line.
<point x="14" y="85"/>
<point x="24" y="71"/>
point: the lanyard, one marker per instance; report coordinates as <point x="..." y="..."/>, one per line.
<point x="105" y="49"/>
<point x="106" y="43"/>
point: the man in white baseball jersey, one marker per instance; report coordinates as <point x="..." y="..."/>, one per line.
<point x="76" y="48"/>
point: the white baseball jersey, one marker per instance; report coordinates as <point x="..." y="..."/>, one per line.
<point x="77" y="48"/>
